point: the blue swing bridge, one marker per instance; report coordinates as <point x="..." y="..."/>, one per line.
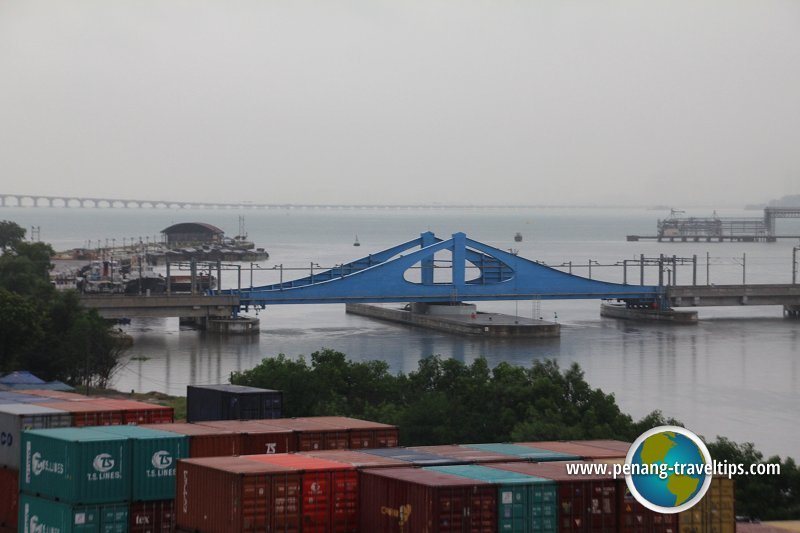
<point x="408" y="272"/>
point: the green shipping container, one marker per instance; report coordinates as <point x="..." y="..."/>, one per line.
<point x="75" y="465"/>
<point x="525" y="504"/>
<point x="536" y="455"/>
<point x="154" y="458"/>
<point x="37" y="515"/>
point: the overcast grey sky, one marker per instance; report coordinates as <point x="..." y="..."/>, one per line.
<point x="455" y="101"/>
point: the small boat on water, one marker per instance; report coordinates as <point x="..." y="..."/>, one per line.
<point x="356" y="243"/>
<point x="518" y="237"/>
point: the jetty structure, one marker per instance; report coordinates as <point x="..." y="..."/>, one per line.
<point x="721" y="229"/>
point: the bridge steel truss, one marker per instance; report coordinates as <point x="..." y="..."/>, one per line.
<point x="380" y="277"/>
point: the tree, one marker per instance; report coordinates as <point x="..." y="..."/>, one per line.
<point x="10" y="234"/>
<point x="45" y="330"/>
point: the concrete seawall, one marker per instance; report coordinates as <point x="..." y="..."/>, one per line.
<point x="483" y="324"/>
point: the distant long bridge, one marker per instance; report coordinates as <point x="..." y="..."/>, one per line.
<point x="78" y="202"/>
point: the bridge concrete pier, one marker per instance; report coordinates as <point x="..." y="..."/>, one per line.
<point x="791" y="311"/>
<point x="459" y="319"/>
<point x="672" y="316"/>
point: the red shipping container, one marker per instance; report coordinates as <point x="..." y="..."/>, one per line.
<point x="362" y="433"/>
<point x="468" y="455"/>
<point x="89" y="413"/>
<point x="232" y="494"/>
<point x="134" y="412"/>
<point x="636" y="518"/>
<point x="204" y="441"/>
<point x="586" y="503"/>
<point x="357" y="459"/>
<point x="9" y="495"/>
<point x="329" y="493"/>
<point x="152" y="517"/>
<point x="311" y="435"/>
<point x="580" y="449"/>
<point x="411" y="500"/>
<point x="257" y="438"/>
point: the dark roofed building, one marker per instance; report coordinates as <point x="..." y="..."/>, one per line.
<point x="192" y="233"/>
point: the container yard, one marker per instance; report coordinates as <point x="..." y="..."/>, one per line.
<point x="74" y="463"/>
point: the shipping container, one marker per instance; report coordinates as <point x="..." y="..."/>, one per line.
<point x="586" y="503"/>
<point x="134" y="412"/>
<point x="88" y="413"/>
<point x="362" y="433"/>
<point x="256" y="438"/>
<point x="576" y="448"/>
<point x="232" y="494"/>
<point x="329" y="502"/>
<point x="9" y="493"/>
<point x="715" y="513"/>
<point x="465" y="455"/>
<point x="232" y="402"/>
<point x="8" y="397"/>
<point x="618" y="446"/>
<point x="413" y="457"/>
<point x="154" y="455"/>
<point x="415" y="500"/>
<point x="152" y="517"/>
<point x="636" y="518"/>
<point x="312" y="435"/>
<point x="525" y="504"/>
<point x="357" y="458"/>
<point x="204" y="441"/>
<point x="38" y="515"/>
<point x="76" y="465"/>
<point x="526" y="452"/>
<point x="58" y="395"/>
<point x="16" y="418"/>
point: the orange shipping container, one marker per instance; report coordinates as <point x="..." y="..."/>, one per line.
<point x="89" y="413"/>
<point x="58" y="395"/>
<point x="134" y="412"/>
<point x="233" y="494"/>
<point x="204" y="441"/>
<point x="257" y="438"/>
<point x="310" y="434"/>
<point x="362" y="433"/>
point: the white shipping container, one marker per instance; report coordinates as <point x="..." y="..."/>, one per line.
<point x="16" y="418"/>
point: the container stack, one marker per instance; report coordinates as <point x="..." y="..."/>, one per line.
<point x="14" y="419"/>
<point x="107" y="479"/>
<point x="412" y="499"/>
<point x="74" y="480"/>
<point x="43" y="409"/>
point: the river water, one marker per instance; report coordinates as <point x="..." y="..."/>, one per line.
<point x="735" y="374"/>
